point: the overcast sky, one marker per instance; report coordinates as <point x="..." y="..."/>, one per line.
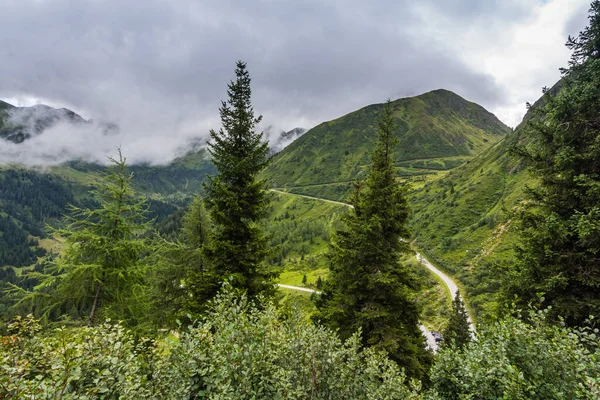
<point x="159" y="68"/>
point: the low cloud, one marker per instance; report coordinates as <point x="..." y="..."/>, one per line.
<point x="158" y="68"/>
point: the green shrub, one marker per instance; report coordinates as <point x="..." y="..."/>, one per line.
<point x="239" y="351"/>
<point x="516" y="360"/>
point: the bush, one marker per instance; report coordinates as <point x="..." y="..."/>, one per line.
<point x="516" y="360"/>
<point x="238" y="351"/>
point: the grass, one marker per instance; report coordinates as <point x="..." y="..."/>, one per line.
<point x="433" y="297"/>
<point x="295" y="277"/>
<point x="437" y="131"/>
<point x="299" y="229"/>
<point x="463" y="221"/>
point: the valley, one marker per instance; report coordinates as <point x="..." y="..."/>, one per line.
<point x="443" y="138"/>
<point x="212" y="200"/>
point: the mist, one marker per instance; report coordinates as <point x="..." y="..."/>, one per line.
<point x="48" y="137"/>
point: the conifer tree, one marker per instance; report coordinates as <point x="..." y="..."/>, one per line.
<point x="178" y="281"/>
<point x="458" y="331"/>
<point x="99" y="273"/>
<point x="559" y="258"/>
<point x="368" y="287"/>
<point x="236" y="198"/>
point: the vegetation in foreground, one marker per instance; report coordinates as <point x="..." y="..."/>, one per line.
<point x="239" y="351"/>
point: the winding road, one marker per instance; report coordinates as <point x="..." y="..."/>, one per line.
<point x="450" y="284"/>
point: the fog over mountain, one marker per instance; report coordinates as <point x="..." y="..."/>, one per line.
<point x="43" y="136"/>
<point x="158" y="69"/>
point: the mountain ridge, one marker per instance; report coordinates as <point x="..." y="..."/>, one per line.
<point x="436" y="124"/>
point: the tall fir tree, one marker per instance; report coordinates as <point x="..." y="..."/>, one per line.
<point x="100" y="271"/>
<point x="236" y="198"/>
<point x="558" y="260"/>
<point x="368" y="288"/>
<point x="458" y="331"/>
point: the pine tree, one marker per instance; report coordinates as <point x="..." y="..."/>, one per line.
<point x="368" y="287"/>
<point x="99" y="273"/>
<point x="236" y="198"/>
<point x="458" y="331"/>
<point x="559" y="258"/>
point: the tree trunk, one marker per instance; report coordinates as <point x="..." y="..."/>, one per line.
<point x="95" y="305"/>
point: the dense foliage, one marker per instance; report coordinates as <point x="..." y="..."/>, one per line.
<point x="368" y="287"/>
<point x="28" y="201"/>
<point x="236" y="352"/>
<point x="239" y="351"/>
<point x="100" y="270"/>
<point x="560" y="225"/>
<point x="516" y="360"/>
<point x="178" y="280"/>
<point x="236" y="198"/>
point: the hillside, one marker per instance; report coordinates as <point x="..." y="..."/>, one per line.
<point x="438" y="130"/>
<point x="462" y="221"/>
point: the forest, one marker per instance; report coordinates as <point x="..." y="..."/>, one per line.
<point x="164" y="297"/>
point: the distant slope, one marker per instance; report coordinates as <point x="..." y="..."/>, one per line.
<point x="5" y="106"/>
<point x="18" y="124"/>
<point x="436" y="125"/>
<point x="463" y="220"/>
<point x="180" y="178"/>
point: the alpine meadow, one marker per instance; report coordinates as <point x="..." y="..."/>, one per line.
<point x="158" y="244"/>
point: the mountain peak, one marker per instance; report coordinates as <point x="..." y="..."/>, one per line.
<point x="437" y="125"/>
<point x="18" y="124"/>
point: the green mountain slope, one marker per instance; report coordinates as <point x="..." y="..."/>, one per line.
<point x="437" y="130"/>
<point x="181" y="178"/>
<point x="462" y="221"/>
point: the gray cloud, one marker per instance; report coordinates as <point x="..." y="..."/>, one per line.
<point x="578" y="20"/>
<point x="158" y="68"/>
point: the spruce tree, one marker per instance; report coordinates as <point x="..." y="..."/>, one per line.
<point x="458" y="331"/>
<point x="236" y="198"/>
<point x="368" y="287"/>
<point x="558" y="260"/>
<point x="100" y="271"/>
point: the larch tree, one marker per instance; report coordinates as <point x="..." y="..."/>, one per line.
<point x="369" y="288"/>
<point x="237" y="199"/>
<point x="100" y="271"/>
<point x="558" y="260"/>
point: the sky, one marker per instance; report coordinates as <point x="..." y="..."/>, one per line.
<point x="159" y="68"/>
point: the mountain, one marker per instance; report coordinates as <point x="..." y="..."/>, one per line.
<point x="463" y="221"/>
<point x="5" y="106"/>
<point x="438" y="130"/>
<point x="278" y="141"/>
<point x="18" y="124"/>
